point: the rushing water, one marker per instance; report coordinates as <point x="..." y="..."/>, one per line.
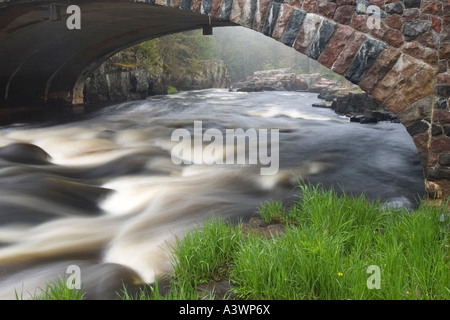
<point x="111" y="200"/>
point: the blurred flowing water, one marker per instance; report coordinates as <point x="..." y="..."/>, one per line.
<point x="110" y="200"/>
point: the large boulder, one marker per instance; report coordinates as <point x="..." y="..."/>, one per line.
<point x="272" y="80"/>
<point x="362" y="107"/>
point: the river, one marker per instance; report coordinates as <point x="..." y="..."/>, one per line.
<point x="103" y="193"/>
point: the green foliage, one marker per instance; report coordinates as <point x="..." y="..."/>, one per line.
<point x="205" y="255"/>
<point x="181" y="51"/>
<point x="56" y="291"/>
<point x="272" y="211"/>
<point x="246" y="51"/>
<point x="329" y="243"/>
<point x="171" y="90"/>
<point x="149" y="49"/>
<point x="326" y="255"/>
<point x="179" y="291"/>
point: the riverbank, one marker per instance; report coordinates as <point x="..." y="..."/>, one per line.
<point x="355" y="104"/>
<point x="305" y="252"/>
<point x="363" y="250"/>
<point x="343" y="97"/>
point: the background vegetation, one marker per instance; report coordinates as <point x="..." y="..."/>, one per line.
<point x="244" y="51"/>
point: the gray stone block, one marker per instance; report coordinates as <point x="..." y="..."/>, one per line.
<point x="444" y="159"/>
<point x="412" y="3"/>
<point x="438" y="173"/>
<point x="366" y="56"/>
<point x="294" y="25"/>
<point x="271" y="19"/>
<point x="416" y="28"/>
<point x="324" y="35"/>
<point x="394" y="8"/>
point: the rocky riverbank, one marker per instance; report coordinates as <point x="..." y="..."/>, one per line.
<point x="346" y="99"/>
<point x="126" y="76"/>
<point x="271" y="80"/>
<point x="352" y="102"/>
<point x="208" y="74"/>
<point x="361" y="107"/>
<point x="284" y="80"/>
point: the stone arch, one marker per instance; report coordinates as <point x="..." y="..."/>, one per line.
<point x="403" y="64"/>
<point x="387" y="63"/>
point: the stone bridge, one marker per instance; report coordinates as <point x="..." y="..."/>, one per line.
<point x="398" y="51"/>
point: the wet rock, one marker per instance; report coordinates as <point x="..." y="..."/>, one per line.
<point x="365" y="120"/>
<point x="381" y="115"/>
<point x="356" y="118"/>
<point x="361" y="107"/>
<point x="24" y="153"/>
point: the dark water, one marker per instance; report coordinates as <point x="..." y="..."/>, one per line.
<point x="104" y="194"/>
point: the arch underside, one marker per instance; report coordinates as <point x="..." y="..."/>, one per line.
<point x="44" y="62"/>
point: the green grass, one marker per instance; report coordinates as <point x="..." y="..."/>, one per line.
<point x="272" y="211"/>
<point x="55" y="291"/>
<point x="205" y="255"/>
<point x="329" y="243"/>
<point x="325" y="253"/>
